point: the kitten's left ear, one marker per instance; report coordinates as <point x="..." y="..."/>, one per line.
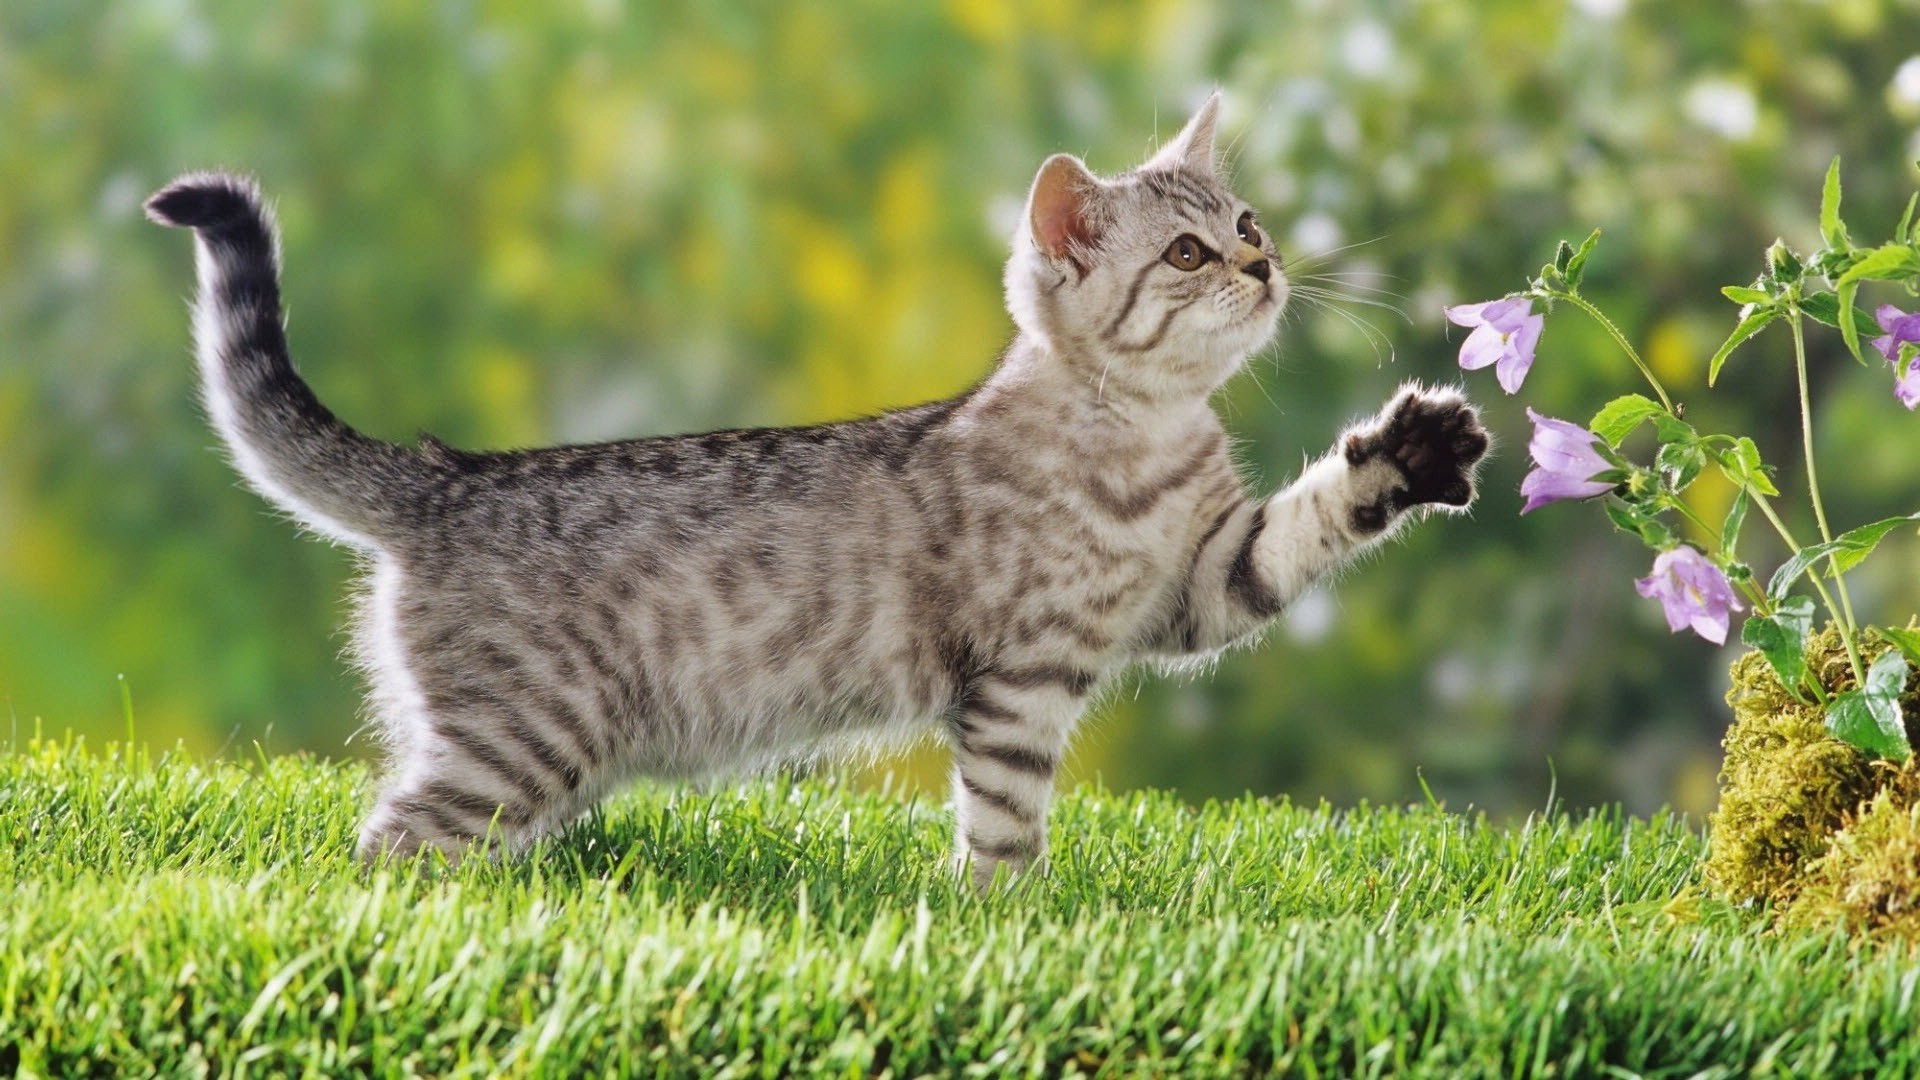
<point x="1193" y="147"/>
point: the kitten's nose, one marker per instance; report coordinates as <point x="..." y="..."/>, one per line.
<point x="1259" y="268"/>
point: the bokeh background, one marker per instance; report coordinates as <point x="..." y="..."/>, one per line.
<point x="513" y="224"/>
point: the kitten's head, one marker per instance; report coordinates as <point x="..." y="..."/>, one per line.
<point x="1160" y="281"/>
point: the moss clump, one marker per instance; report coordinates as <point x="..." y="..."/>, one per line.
<point x="1785" y="786"/>
<point x="1806" y="822"/>
<point x="1869" y="878"/>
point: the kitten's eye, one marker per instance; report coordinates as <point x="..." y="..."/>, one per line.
<point x="1185" y="253"/>
<point x="1248" y="230"/>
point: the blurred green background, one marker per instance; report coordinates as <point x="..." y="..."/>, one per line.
<point x="514" y="224"/>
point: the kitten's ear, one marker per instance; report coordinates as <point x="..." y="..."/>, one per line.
<point x="1193" y="147"/>
<point x="1064" y="211"/>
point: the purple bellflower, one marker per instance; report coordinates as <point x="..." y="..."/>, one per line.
<point x="1692" y="592"/>
<point x="1901" y="329"/>
<point x="1565" y="460"/>
<point x="1504" y="334"/>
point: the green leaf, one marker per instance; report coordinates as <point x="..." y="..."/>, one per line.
<point x="1750" y="324"/>
<point x="1736" y="517"/>
<point x="1849" y="333"/>
<point x="1782" y="638"/>
<point x="1907" y="641"/>
<point x="1825" y="307"/>
<point x="1672" y="429"/>
<point x="1617" y="418"/>
<point x="1624" y="517"/>
<point x="1887" y="262"/>
<point x="1884" y="263"/>
<point x="1631" y="518"/>
<point x="1741" y="464"/>
<point x="1869" y="717"/>
<point x="1742" y="294"/>
<point x="1831" y="228"/>
<point x="1577" y="264"/>
<point x="1561" y="256"/>
<point x="1852" y="547"/>
<point x="1847" y="550"/>
<point x="1832" y="262"/>
<point x="1682" y="462"/>
<point x="1903" y="231"/>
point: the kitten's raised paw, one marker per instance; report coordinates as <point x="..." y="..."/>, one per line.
<point x="1434" y="438"/>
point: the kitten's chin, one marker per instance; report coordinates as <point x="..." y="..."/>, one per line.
<point x="1270" y="305"/>
<point x="1262" y="319"/>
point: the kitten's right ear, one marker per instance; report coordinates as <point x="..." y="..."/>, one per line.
<point x="1193" y="147"/>
<point x="1064" y="211"/>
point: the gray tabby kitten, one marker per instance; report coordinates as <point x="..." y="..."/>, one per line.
<point x="540" y="626"/>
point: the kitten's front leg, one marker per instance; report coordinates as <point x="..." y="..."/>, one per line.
<point x="1421" y="450"/>
<point x="1009" y="732"/>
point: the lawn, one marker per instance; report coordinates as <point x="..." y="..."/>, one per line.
<point x="175" y="916"/>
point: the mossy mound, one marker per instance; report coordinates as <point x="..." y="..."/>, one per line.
<point x="1869" y="878"/>
<point x="1785" y="786"/>
<point x="1806" y="822"/>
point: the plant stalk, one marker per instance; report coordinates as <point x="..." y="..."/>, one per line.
<point x="1620" y="339"/>
<point x="1847" y="625"/>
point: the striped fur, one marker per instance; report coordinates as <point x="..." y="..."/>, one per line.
<point x="541" y="626"/>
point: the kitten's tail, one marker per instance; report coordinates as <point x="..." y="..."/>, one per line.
<point x="334" y="480"/>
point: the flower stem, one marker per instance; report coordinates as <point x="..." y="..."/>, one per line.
<point x="1687" y="512"/>
<point x="1766" y="510"/>
<point x="1620" y="339"/>
<point x="1710" y="536"/>
<point x="1813" y="477"/>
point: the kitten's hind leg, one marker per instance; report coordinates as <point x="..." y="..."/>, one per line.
<point x="487" y="743"/>
<point x="445" y="813"/>
<point x="457" y="790"/>
<point x="1009" y="731"/>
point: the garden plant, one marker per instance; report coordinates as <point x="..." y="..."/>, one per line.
<point x="1820" y="802"/>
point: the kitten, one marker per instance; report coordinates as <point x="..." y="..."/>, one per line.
<point x="540" y="626"/>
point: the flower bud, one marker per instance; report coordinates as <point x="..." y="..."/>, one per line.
<point x="1785" y="264"/>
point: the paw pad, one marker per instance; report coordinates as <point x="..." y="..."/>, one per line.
<point x="1434" y="439"/>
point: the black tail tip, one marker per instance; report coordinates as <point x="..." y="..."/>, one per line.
<point x="205" y="201"/>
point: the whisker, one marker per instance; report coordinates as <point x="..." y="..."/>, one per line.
<point x="1254" y="374"/>
<point x="1353" y="279"/>
<point x="1331" y="302"/>
<point x="1341" y="295"/>
<point x="1353" y="286"/>
<point x="1308" y="260"/>
<point x="1378" y="341"/>
<point x="1328" y="297"/>
<point x="1274" y="352"/>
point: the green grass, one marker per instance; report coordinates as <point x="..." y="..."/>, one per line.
<point x="175" y="916"/>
